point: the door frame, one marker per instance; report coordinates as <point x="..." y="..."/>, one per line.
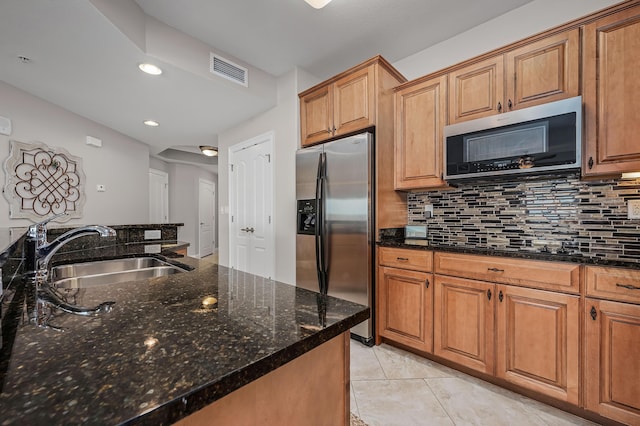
<point x="165" y="175"/>
<point x="214" y="219"/>
<point x="267" y="138"/>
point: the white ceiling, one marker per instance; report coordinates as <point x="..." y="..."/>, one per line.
<point x="84" y="53"/>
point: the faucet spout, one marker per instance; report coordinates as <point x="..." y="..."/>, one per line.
<point x="46" y="251"/>
<point x="38" y="254"/>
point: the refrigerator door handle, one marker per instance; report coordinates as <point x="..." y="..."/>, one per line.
<point x="318" y="228"/>
<point x="323" y="227"/>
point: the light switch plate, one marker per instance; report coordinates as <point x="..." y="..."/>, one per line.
<point x="5" y="126"/>
<point x="633" y="209"/>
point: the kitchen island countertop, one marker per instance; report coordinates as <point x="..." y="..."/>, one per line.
<point x="165" y="351"/>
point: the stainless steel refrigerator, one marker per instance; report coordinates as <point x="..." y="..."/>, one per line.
<point x="335" y="232"/>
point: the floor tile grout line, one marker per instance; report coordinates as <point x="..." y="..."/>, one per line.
<point x="438" y="399"/>
<point x="375" y="353"/>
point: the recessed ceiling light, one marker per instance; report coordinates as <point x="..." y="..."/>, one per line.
<point x="318" y="4"/>
<point x="151" y="123"/>
<point x="209" y="151"/>
<point x="150" y="69"/>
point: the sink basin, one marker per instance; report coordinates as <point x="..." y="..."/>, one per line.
<point x="92" y="274"/>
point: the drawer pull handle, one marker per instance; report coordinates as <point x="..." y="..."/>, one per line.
<point x="402" y="259"/>
<point x="495" y="270"/>
<point x="629" y="286"/>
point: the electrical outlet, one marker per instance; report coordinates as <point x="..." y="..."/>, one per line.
<point x="633" y="209"/>
<point x="428" y="211"/>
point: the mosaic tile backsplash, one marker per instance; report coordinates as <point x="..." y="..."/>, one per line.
<point x="560" y="214"/>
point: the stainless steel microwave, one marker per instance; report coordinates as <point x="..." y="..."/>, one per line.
<point x="540" y="139"/>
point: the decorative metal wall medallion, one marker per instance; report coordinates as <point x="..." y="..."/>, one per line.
<point x="43" y="181"/>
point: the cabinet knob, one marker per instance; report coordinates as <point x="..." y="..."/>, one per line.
<point x="499" y="107"/>
<point x="590" y="163"/>
<point x="489" y="294"/>
<point x="510" y="104"/>
<point x="500" y="296"/>
<point x="426" y="283"/>
<point x="594" y="313"/>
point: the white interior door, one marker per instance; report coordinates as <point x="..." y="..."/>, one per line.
<point x="251" y="240"/>
<point x="158" y="196"/>
<point x="206" y="216"/>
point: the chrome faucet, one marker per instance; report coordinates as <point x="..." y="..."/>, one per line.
<point x="44" y="251"/>
<point x="38" y="254"/>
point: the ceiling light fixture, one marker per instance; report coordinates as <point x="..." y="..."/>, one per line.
<point x="318" y="4"/>
<point x="150" y="69"/>
<point x="151" y="123"/>
<point x="209" y="151"/>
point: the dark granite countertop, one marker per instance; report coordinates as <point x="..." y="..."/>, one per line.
<point x="521" y="254"/>
<point x="161" y="354"/>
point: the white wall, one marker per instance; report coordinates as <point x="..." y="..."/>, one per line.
<point x="520" y="23"/>
<point x="121" y="164"/>
<point x="183" y="201"/>
<point x="283" y="121"/>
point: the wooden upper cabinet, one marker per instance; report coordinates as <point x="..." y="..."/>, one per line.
<point x="420" y="119"/>
<point x="316" y="115"/>
<point x="611" y="94"/>
<point x="612" y="370"/>
<point x="476" y="90"/>
<point x="354" y="102"/>
<point x="343" y="105"/>
<point x="542" y="71"/>
<point x="538" y="340"/>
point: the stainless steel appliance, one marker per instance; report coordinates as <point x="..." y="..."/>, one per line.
<point x="541" y="139"/>
<point x="335" y="233"/>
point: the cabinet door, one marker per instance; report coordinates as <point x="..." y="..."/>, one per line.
<point x="543" y="71"/>
<point x="463" y="322"/>
<point x="612" y="371"/>
<point x="354" y="101"/>
<point x="316" y="119"/>
<point x="611" y="94"/>
<point x="476" y="90"/>
<point x="420" y="119"/>
<point x="537" y="340"/>
<point x="405" y="307"/>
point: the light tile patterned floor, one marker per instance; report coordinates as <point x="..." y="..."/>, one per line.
<point x="393" y="387"/>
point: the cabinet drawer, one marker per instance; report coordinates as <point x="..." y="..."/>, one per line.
<point x="557" y="276"/>
<point x="419" y="260"/>
<point x="613" y="283"/>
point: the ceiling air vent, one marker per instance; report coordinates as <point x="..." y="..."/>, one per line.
<point x="227" y="69"/>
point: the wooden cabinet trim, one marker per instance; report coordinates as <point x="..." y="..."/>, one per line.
<point x="558" y="276"/>
<point x="612" y="367"/>
<point x="463" y="322"/>
<point x="419" y="260"/>
<point x="620" y="284"/>
<point x="538" y="340"/>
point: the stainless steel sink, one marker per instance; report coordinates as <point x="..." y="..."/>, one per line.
<point x="92" y="274"/>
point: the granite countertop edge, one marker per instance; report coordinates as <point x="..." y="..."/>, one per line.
<point x="553" y="257"/>
<point x="187" y="404"/>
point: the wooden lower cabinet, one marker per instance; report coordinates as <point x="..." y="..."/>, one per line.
<point x="405" y="309"/>
<point x="612" y="368"/>
<point x="537" y="335"/>
<point x="464" y="322"/>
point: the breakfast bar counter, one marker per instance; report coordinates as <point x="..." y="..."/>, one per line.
<point x="171" y="346"/>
